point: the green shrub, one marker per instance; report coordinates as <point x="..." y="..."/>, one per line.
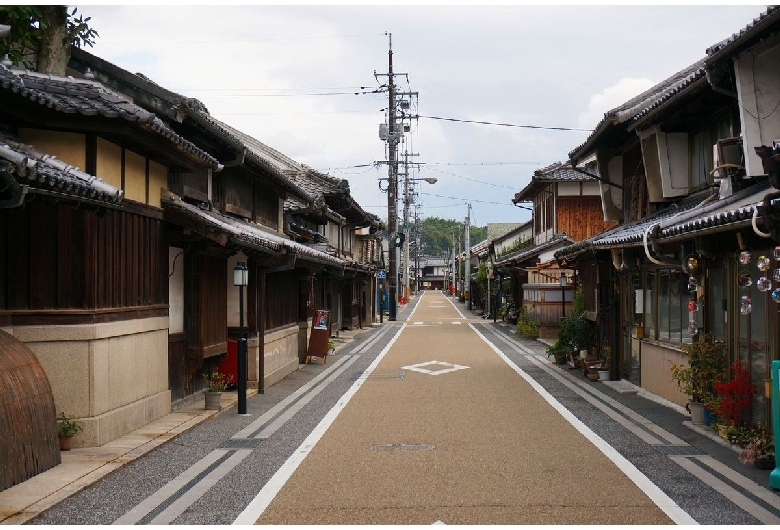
<point x="525" y="326"/>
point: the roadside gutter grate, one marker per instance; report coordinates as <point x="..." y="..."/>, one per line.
<point x="678" y="450"/>
<point x="242" y="443"/>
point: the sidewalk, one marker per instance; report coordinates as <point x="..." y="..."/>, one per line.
<point x="81" y="467"/>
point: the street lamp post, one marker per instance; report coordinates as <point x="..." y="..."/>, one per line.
<point x="241" y="279"/>
<point x="563" y="295"/>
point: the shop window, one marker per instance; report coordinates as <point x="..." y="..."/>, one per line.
<point x="666" y="303"/>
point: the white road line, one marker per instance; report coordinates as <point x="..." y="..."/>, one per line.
<point x="661" y="499"/>
<point x="724" y="489"/>
<point x="742" y="481"/>
<point x="264" y="497"/>
<point x="304" y="394"/>
<point x="164" y="493"/>
<point x="256" y="425"/>
<point x="293" y="410"/>
<point x="178" y="506"/>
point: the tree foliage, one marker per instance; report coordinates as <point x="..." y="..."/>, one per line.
<point x="436" y="235"/>
<point x="41" y="36"/>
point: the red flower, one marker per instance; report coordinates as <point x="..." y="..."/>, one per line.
<point x="734" y="395"/>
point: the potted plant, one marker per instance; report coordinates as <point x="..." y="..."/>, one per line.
<point x="760" y="449"/>
<point x="331" y="346"/>
<point x="216" y="383"/>
<point x="604" y="371"/>
<point x="67" y="428"/>
<point x="575" y="331"/>
<point x="706" y="364"/>
<point x="732" y="398"/>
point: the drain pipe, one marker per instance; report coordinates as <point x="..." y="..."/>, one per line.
<point x="648" y="241"/>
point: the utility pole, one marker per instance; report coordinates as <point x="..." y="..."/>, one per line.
<point x="452" y="272"/>
<point x="392" y="132"/>
<point x="391" y="135"/>
<point x="467" y="247"/>
<point x="407" y="199"/>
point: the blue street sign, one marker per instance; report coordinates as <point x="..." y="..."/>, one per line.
<point x="381" y="274"/>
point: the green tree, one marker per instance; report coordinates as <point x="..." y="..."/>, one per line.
<point x="436" y="235"/>
<point x="41" y="37"/>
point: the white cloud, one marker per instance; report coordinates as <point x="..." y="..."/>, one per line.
<point x="612" y="97"/>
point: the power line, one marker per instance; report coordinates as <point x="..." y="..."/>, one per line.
<point x="467" y="200"/>
<point x="503" y="124"/>
<point x="473" y="180"/>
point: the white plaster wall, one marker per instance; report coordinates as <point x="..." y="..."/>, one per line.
<point x="281" y="353"/>
<point x="568" y="189"/>
<point x="176" y="289"/>
<point x="758" y="90"/>
<point x="656" y="365"/>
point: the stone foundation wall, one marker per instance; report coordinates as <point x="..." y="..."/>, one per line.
<point x="112" y="376"/>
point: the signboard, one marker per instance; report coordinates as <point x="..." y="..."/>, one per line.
<point x="320" y="334"/>
<point x="381" y="274"/>
<point x="321" y="319"/>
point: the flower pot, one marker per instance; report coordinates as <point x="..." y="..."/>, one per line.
<point x="723" y="430"/>
<point x="709" y="416"/>
<point x="603" y="375"/>
<point x="560" y="358"/>
<point x="593" y="376"/>
<point x="213" y="400"/>
<point x="764" y="463"/>
<point x="697" y="412"/>
<point x="66" y="442"/>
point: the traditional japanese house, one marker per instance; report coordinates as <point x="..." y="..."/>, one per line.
<point x="84" y="279"/>
<point x="207" y="220"/>
<point x="684" y="175"/>
<point x="566" y="208"/>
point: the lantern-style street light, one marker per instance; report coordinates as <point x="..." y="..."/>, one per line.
<point x="241" y="279"/>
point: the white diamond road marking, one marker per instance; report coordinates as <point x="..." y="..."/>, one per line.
<point x="419" y="367"/>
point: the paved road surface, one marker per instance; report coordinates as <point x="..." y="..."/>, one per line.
<point x="434" y="418"/>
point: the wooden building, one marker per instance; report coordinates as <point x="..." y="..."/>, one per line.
<point x="84" y="245"/>
<point x="689" y="171"/>
<point x="566" y="208"/>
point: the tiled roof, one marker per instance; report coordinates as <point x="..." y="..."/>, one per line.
<point x="681" y="214"/>
<point x="248" y="235"/>
<point x="641" y="104"/>
<point x="728" y="45"/>
<point x="737" y="208"/>
<point x="557" y="172"/>
<point x="319" y="186"/>
<point x="527" y="252"/>
<point x="481" y="248"/>
<point x="45" y="173"/>
<point x="258" y="152"/>
<point x="90" y="98"/>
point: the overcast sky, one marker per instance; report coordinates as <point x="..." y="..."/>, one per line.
<point x="288" y="76"/>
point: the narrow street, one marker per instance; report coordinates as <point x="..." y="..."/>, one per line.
<point x="434" y="418"/>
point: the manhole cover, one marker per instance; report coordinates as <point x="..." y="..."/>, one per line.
<point x="402" y="448"/>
